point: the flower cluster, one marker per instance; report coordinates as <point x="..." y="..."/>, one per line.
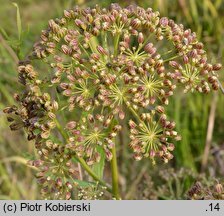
<point x="91" y="192"/>
<point x="88" y="140"/>
<point x="95" y="67"/>
<point x="150" y="138"/>
<point x="201" y="192"/>
<point x="56" y="172"/>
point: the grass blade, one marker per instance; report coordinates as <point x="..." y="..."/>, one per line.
<point x="18" y="20"/>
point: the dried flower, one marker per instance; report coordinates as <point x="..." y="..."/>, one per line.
<point x="212" y="191"/>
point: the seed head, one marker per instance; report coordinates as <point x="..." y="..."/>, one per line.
<point x="100" y="71"/>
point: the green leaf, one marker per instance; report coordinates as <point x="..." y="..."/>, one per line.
<point x="14" y="43"/>
<point x="18" y="19"/>
<point x="98" y="168"/>
<point x="83" y="183"/>
<point x="4" y="197"/>
<point x="84" y="114"/>
<point x="194" y="10"/>
<point x="5" y="35"/>
<point x="93" y="42"/>
<point x="28" y="156"/>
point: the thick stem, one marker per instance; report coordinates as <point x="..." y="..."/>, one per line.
<point x="115" y="187"/>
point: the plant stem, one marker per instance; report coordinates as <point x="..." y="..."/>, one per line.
<point x="115" y="188"/>
<point x="171" y="58"/>
<point x="9" y="49"/>
<point x="93" y="42"/>
<point x="92" y="174"/>
<point x="134" y="113"/>
<point x="116" y="43"/>
<point x="62" y="132"/>
<point x="82" y="161"/>
<point x="221" y="87"/>
<point x="210" y="130"/>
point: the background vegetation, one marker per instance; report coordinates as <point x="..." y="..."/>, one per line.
<point x="201" y="149"/>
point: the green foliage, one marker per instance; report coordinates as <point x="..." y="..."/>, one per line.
<point x="98" y="168"/>
<point x="18" y="20"/>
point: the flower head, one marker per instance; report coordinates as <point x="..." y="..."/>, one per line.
<point x="90" y="136"/>
<point x="151" y="138"/>
<point x="95" y="67"/>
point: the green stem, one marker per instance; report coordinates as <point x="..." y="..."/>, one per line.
<point x="165" y="53"/>
<point x="133" y="112"/>
<point x="116" y="43"/>
<point x="92" y="174"/>
<point x="82" y="161"/>
<point x="93" y="42"/>
<point x="146" y="41"/>
<point x="115" y="188"/>
<point x="171" y="58"/>
<point x="58" y="125"/>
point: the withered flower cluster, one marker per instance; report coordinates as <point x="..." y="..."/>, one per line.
<point x="201" y="192"/>
<point x="100" y="67"/>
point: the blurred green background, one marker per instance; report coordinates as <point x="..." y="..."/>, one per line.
<point x="202" y="146"/>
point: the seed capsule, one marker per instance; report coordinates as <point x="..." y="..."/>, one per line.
<point x="216" y="67"/>
<point x="160" y="109"/>
<point x="101" y="50"/>
<point x="135" y="23"/>
<point x="150" y="49"/>
<point x="140" y="38"/>
<point x="67" y="14"/>
<point x="66" y="50"/>
<point x="164" y="21"/>
<point x="219" y="188"/>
